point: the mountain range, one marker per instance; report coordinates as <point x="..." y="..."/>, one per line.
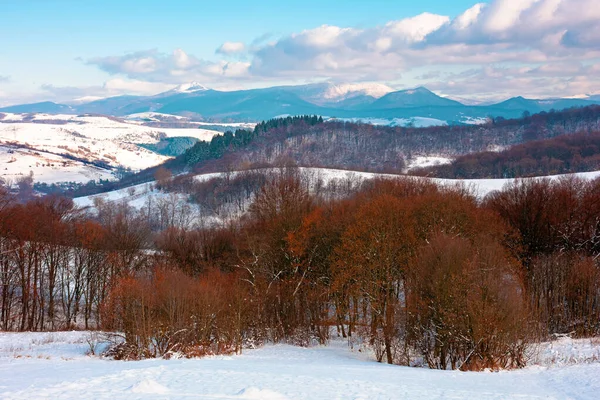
<point x="340" y="101"/>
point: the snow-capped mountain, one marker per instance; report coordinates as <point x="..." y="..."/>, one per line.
<point x="339" y="100"/>
<point x="190" y="87"/>
<point x="348" y="90"/>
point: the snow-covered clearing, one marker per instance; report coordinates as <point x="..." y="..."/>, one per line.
<point x="94" y="138"/>
<point x="55" y="366"/>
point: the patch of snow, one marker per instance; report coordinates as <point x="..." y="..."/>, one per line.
<point x="154" y="116"/>
<point x="427" y="161"/>
<point x="416" y="122"/>
<point x="239" y="125"/>
<point x="474" y="120"/>
<point x="566" y="351"/>
<point x="348" y="90"/>
<point x="138" y="197"/>
<point x="67" y="345"/>
<point x="189" y="88"/>
<point x="85" y="99"/>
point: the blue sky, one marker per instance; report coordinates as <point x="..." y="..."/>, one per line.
<point x="65" y="49"/>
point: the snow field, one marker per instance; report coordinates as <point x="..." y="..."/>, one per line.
<point x="55" y="366"/>
<point x="16" y="163"/>
<point x="93" y="138"/>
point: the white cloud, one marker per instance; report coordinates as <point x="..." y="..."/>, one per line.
<point x="521" y="47"/>
<point x="415" y="29"/>
<point x="229" y="48"/>
<point x="118" y="86"/>
<point x="498" y="83"/>
<point x="176" y="67"/>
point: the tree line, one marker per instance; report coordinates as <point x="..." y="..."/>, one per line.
<point x="420" y="273"/>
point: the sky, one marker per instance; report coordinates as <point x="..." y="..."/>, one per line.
<point x="74" y="50"/>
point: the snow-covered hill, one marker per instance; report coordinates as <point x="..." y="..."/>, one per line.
<point x="138" y="196"/>
<point x="55" y="366"/>
<point x="17" y="163"/>
<point x="95" y="139"/>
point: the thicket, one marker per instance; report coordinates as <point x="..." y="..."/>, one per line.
<point x="419" y="273"/>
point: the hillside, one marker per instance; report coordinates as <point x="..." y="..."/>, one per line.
<point x="558" y="155"/>
<point x="85" y="147"/>
<point x="311" y="142"/>
<point x="336" y="144"/>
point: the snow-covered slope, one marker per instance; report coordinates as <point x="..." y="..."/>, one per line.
<point x="54" y="366"/>
<point x="190" y="87"/>
<point x="17" y="163"/>
<point x="93" y="138"/>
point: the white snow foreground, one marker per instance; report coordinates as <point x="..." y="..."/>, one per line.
<point x="54" y="366"/>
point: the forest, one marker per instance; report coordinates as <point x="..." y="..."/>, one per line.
<point x="559" y="155"/>
<point x="422" y="274"/>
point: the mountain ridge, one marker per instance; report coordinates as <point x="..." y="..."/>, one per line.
<point x="353" y="100"/>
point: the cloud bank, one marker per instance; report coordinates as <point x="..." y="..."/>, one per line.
<point x="505" y="47"/>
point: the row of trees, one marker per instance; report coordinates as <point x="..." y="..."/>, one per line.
<point x="57" y="266"/>
<point x="421" y="274"/>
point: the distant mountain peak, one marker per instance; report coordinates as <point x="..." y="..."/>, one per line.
<point x="420" y="89"/>
<point x="189" y="88"/>
<point x="346" y="90"/>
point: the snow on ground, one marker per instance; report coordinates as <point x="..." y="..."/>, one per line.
<point x="427" y="161"/>
<point x="93" y="137"/>
<point x="48" y="168"/>
<point x="55" y="366"/>
<point x="474" y="120"/>
<point x="416" y="122"/>
<point x="138" y="197"/>
<point x="236" y="125"/>
<point x="480" y="187"/>
<point x="566" y="351"/>
<point x="154" y="116"/>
